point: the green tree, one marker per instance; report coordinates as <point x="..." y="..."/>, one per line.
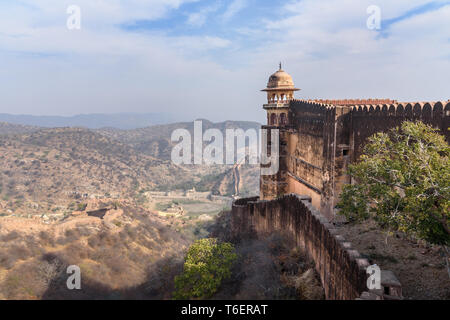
<point x="403" y="183"/>
<point x="207" y="264"/>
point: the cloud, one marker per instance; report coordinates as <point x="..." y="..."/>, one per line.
<point x="234" y="7"/>
<point x="198" y="18"/>
<point x="332" y="54"/>
<point x="208" y="72"/>
<point x="419" y="10"/>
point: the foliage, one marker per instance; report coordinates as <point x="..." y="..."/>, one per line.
<point x="403" y="182"/>
<point x="207" y="263"/>
<point x="81" y="206"/>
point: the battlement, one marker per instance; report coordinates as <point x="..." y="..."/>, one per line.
<point x="355" y="102"/>
<point x="405" y="108"/>
<point x="312" y="103"/>
<point x="322" y="139"/>
<point x="342" y="269"/>
<point x="386" y="106"/>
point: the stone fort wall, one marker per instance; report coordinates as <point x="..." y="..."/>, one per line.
<point x="322" y="138"/>
<point x="369" y="119"/>
<point x="342" y="269"/>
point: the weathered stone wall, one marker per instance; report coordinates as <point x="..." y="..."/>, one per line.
<point x="369" y="119"/>
<point x="341" y="269"/>
<point x="272" y="186"/>
<point x="316" y="161"/>
<point x="321" y="140"/>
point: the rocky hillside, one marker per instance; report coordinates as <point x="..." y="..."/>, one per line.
<point x="54" y="169"/>
<point x="11" y="128"/>
<point x="131" y="253"/>
<point x="72" y="196"/>
<point x="156" y="140"/>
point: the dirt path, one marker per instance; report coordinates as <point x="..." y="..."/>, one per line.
<point x="420" y="268"/>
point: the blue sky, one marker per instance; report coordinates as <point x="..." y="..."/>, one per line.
<point x="209" y="59"/>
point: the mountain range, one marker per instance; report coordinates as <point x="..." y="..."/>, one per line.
<point x="91" y="121"/>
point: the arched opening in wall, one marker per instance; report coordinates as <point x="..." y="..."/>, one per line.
<point x="283" y="119"/>
<point x="273" y="119"/>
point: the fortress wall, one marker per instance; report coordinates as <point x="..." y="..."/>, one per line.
<point x="322" y="140"/>
<point x="308" y="153"/>
<point x="369" y="119"/>
<point x="273" y="185"/>
<point x="342" y="270"/>
<point x="316" y="159"/>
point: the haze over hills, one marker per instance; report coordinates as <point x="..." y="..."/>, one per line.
<point x="91" y="121"/>
<point x="53" y="179"/>
<point x="156" y="140"/>
<point x="51" y="167"/>
<point x="12" y="128"/>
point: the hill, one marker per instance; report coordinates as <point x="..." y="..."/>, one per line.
<point x="131" y="253"/>
<point x="156" y="140"/>
<point x="105" y="201"/>
<point x="55" y="169"/>
<point x="11" y="128"/>
<point x="91" y="121"/>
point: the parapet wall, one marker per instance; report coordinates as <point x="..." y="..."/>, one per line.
<point x="325" y="136"/>
<point x="354" y="102"/>
<point x="342" y="270"/>
<point x="366" y="120"/>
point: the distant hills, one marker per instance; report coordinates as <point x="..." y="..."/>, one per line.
<point x="91" y="121"/>
<point x="156" y="140"/>
<point x="50" y="165"/>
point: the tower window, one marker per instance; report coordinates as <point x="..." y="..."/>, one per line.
<point x="283" y="119"/>
<point x="273" y="119"/>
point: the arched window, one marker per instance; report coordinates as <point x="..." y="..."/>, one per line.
<point x="273" y="119"/>
<point x="283" y="119"/>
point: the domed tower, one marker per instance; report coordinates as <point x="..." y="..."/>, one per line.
<point x="280" y="90"/>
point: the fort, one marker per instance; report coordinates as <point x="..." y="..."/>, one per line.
<point x="318" y="140"/>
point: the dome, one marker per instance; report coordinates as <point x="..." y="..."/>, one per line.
<point x="280" y="79"/>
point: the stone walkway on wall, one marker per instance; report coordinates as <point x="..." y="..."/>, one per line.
<point x="342" y="269"/>
<point x="419" y="267"/>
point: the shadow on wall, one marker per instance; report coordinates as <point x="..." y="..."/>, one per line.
<point x="342" y="270"/>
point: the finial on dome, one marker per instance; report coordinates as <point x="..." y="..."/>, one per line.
<point x="280" y="65"/>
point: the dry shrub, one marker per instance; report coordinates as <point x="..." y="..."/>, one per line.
<point x="7" y="261"/>
<point x="308" y="286"/>
<point x="117" y="264"/>
<point x="13" y="235"/>
<point x="93" y="241"/>
<point x="75" y="252"/>
<point x="19" y="252"/>
<point x="46" y="238"/>
<point x="30" y="280"/>
<point x="160" y="277"/>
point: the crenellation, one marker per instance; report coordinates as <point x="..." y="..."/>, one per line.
<point x="321" y="139"/>
<point x="341" y="268"/>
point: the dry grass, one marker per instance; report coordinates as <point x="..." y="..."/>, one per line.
<point x="114" y="261"/>
<point x="419" y="267"/>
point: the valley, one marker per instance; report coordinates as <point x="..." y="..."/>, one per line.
<point x="107" y="200"/>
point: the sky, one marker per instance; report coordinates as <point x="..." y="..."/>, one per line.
<point x="210" y="59"/>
